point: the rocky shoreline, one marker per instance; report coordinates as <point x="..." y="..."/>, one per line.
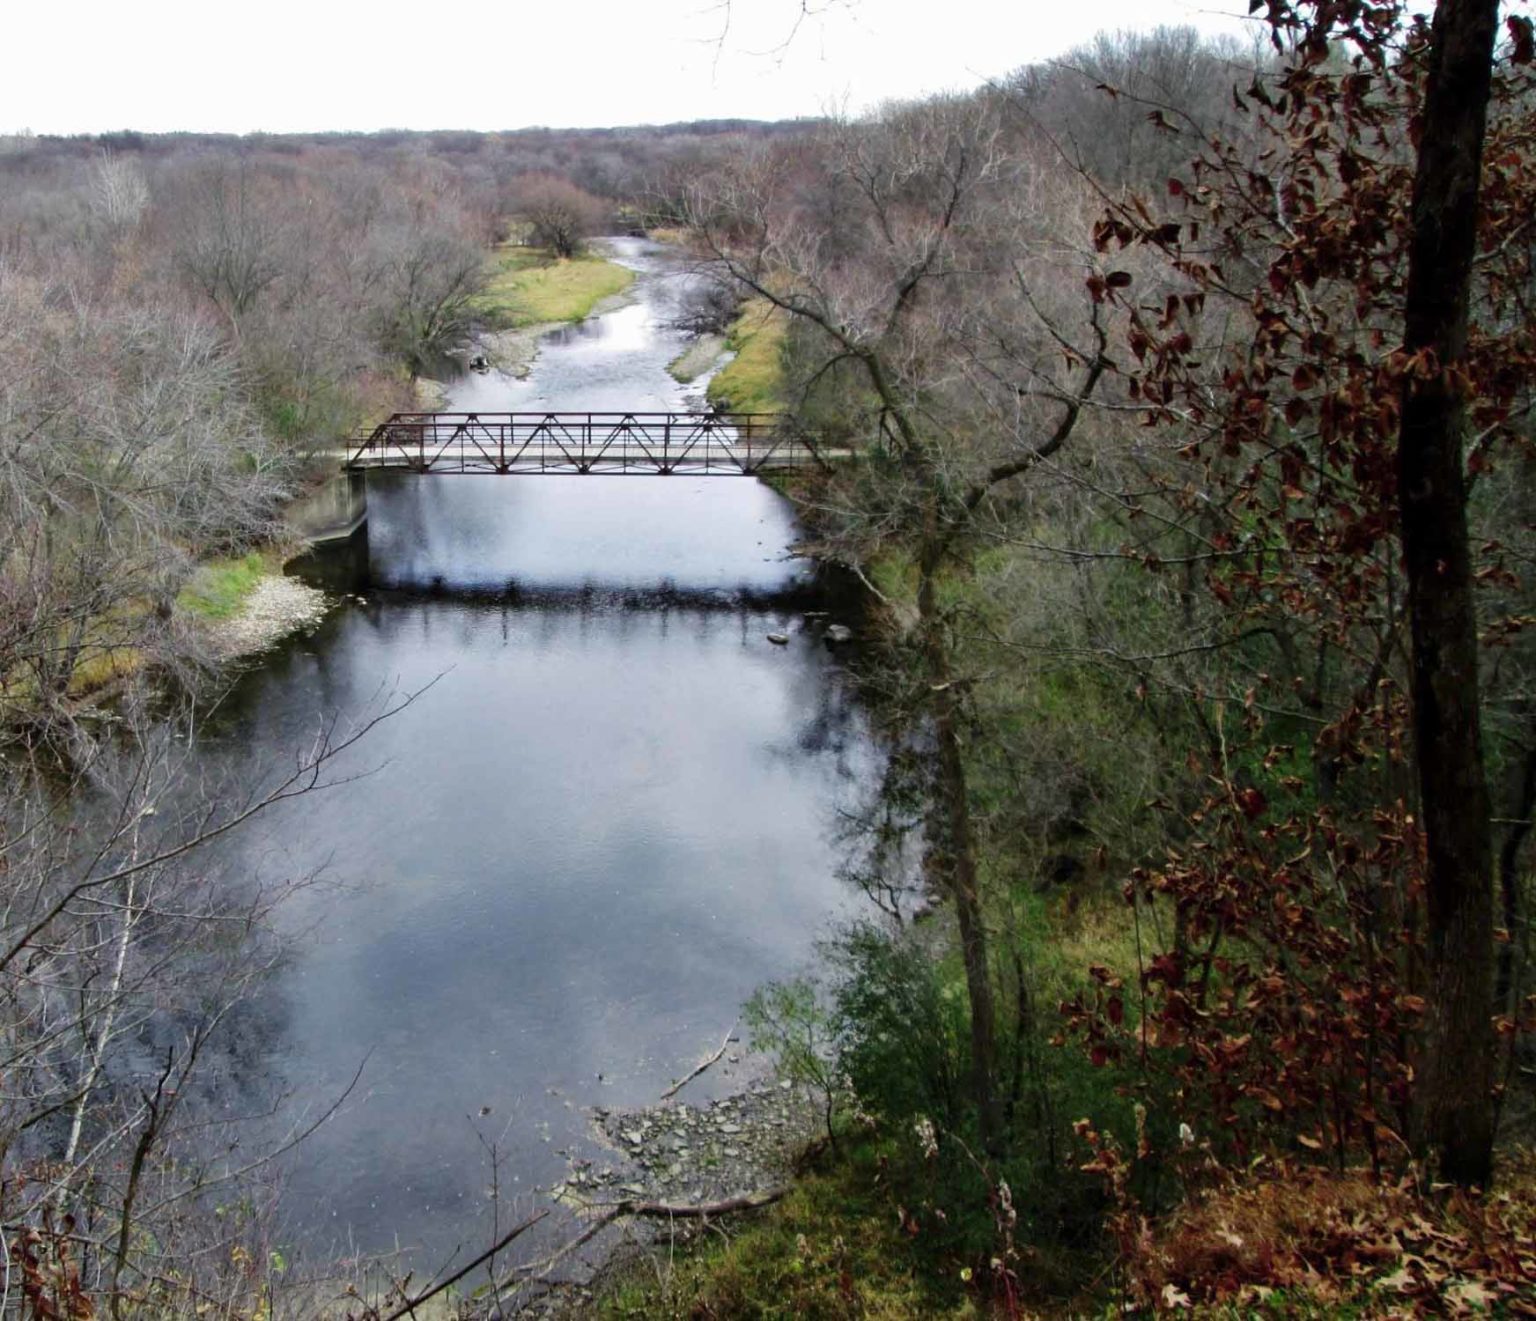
<point x="688" y="1154"/>
<point x="276" y="607"/>
<point x="673" y="1154"/>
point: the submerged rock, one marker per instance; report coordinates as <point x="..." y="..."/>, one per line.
<point x="838" y="633"/>
<point x="779" y="639"/>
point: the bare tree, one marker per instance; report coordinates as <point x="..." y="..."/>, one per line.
<point x="559" y="215"/>
<point x="900" y="247"/>
<point x="126" y="447"/>
<point x="120" y="191"/>
<point x="1120" y="107"/>
<point x="127" y="957"/>
<point x="231" y="237"/>
<point x="424" y="286"/>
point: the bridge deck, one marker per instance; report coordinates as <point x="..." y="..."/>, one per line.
<point x="697" y="444"/>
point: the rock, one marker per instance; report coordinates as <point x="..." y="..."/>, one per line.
<point x="837" y="633"/>
<point x="779" y="639"/>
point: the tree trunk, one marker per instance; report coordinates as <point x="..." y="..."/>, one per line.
<point x="955" y="843"/>
<point x="1458" y="1072"/>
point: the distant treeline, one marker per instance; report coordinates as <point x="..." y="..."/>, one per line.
<point x="615" y="163"/>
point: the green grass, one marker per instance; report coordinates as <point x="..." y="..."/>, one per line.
<point x="830" y="1249"/>
<point x="531" y="288"/>
<point x="753" y="381"/>
<point x="218" y="589"/>
<point x="96" y="669"/>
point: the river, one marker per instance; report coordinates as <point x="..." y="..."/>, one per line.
<point x="609" y="816"/>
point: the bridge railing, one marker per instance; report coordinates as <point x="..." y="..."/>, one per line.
<point x="700" y="443"/>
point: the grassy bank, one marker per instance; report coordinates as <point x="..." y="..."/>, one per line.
<point x="830" y="1249"/>
<point x="753" y="381"/>
<point x="220" y="587"/>
<point x="111" y="648"/>
<point x="531" y="288"/>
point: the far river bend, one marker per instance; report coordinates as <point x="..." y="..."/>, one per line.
<point x="612" y="815"/>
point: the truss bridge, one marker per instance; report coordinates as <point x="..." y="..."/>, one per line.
<point x="656" y="444"/>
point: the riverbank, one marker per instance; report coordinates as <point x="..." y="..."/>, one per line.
<point x="694" y="1154"/>
<point x="696" y="359"/>
<point x="830" y="1247"/>
<point x="237" y="607"/>
<point x="753" y="380"/>
<point x="663" y="1165"/>
<point x="530" y="295"/>
<point x="531" y="288"/>
<point x="274" y="608"/>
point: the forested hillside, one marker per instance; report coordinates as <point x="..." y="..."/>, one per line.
<point x="1227" y="971"/>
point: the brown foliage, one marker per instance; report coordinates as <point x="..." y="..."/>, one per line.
<point x="1286" y="1009"/>
<point x="1336" y="1239"/>
<point x="1279" y="1015"/>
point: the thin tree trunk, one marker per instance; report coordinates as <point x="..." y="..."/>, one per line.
<point x="1522" y="804"/>
<point x="1458" y="1073"/>
<point x="97" y="1050"/>
<point x="957" y="844"/>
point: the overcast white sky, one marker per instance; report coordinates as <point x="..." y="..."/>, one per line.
<point x="88" y="66"/>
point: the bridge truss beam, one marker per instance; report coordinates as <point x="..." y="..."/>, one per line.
<point x="695" y="444"/>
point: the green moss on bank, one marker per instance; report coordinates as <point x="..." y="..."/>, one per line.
<point x="218" y="589"/>
<point x="753" y="381"/>
<point x="531" y="288"/>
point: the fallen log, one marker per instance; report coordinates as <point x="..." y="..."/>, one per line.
<point x="700" y="1210"/>
<point x="633" y="1207"/>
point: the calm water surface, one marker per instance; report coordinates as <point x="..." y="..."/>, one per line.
<point x="608" y="818"/>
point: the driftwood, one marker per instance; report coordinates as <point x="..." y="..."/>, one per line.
<point x="702" y="1210"/>
<point x="652" y="1210"/>
<point x="713" y="1059"/>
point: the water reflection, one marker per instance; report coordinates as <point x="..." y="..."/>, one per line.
<point x="573" y="857"/>
<point x="541" y="532"/>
